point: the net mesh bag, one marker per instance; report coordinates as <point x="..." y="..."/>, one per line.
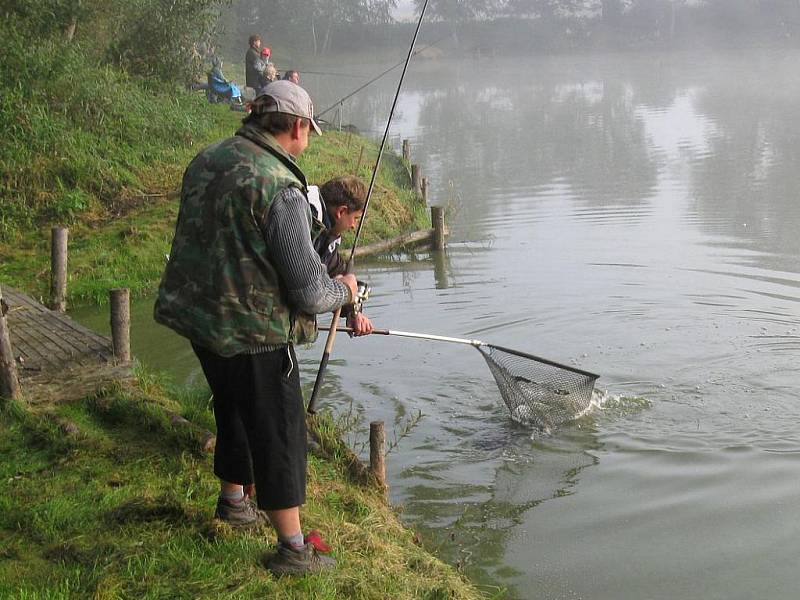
<point x="538" y="392"/>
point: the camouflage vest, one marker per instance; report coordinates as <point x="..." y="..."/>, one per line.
<point x="219" y="288"/>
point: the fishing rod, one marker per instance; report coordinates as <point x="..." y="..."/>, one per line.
<point x="332" y="332"/>
<point x="374" y="79"/>
<point x="333" y="73"/>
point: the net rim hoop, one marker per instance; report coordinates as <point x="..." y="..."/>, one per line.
<point x="552" y="363"/>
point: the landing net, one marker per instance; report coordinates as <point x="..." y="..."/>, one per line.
<point x="538" y="392"/>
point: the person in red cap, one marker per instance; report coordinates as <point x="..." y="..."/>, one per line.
<point x="266" y="70"/>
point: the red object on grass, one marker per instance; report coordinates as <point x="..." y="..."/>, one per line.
<point x="314" y="537"/>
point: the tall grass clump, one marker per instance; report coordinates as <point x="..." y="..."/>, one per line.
<point x="82" y="134"/>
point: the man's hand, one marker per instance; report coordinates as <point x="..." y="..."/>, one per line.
<point x="360" y="323"/>
<point x="350" y="281"/>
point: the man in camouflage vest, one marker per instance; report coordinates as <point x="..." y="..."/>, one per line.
<point x="244" y="283"/>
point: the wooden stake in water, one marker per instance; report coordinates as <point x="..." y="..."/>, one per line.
<point x="377" y="452"/>
<point x="437" y="220"/>
<point x="415" y="183"/>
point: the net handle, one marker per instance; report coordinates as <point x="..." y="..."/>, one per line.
<point x="476" y="343"/>
<point x="411" y="334"/>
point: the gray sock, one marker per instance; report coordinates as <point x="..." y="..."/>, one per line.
<point x="233" y="497"/>
<point x="295" y="541"/>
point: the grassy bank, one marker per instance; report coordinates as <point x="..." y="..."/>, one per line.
<point x="122" y="508"/>
<point x="123" y="243"/>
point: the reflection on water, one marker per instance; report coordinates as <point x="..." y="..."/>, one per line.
<point x="632" y="216"/>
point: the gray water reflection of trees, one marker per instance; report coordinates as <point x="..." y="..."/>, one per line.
<point x="578" y="127"/>
<point x="746" y="187"/>
<point x="531" y="130"/>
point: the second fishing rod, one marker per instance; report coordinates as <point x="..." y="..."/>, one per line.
<point x="332" y="332"/>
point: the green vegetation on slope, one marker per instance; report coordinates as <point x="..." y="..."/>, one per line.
<point x="128" y="250"/>
<point x="82" y="140"/>
<point x="122" y="509"/>
<point x="89" y="121"/>
<point x="88" y="145"/>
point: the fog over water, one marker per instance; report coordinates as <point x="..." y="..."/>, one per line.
<point x="635" y="216"/>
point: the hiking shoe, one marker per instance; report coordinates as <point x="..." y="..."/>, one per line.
<point x="239" y="514"/>
<point x="314" y="537"/>
<point x="290" y="561"/>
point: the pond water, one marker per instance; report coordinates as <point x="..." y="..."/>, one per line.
<point x="637" y="217"/>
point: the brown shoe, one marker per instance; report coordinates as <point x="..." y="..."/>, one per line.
<point x="239" y="514"/>
<point x="290" y="561"/>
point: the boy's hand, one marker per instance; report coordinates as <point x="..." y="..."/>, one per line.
<point x="360" y="323"/>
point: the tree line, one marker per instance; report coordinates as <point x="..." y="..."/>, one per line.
<point x="311" y="23"/>
<point x="325" y="26"/>
<point x="160" y="39"/>
<point x="148" y="38"/>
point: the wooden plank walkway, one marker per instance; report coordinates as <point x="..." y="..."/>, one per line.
<point x="57" y="358"/>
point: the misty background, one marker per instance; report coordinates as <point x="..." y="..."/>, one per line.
<point x="498" y="27"/>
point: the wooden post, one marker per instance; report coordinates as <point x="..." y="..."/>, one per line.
<point x="377" y="449"/>
<point x="406" y="150"/>
<point x="415" y="175"/>
<point x="121" y="324"/>
<point x="437" y="219"/>
<point x="358" y="165"/>
<point x="58" y="268"/>
<point x="9" y="381"/>
<point x="423" y="184"/>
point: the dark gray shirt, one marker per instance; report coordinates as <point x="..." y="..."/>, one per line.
<point x="286" y="233"/>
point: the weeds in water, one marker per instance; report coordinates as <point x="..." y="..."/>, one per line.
<point x="405" y="429"/>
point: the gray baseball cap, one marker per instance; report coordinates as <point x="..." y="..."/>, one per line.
<point x="290" y="99"/>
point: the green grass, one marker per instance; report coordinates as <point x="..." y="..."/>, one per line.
<point x="129" y="250"/>
<point x="123" y="510"/>
<point x="83" y="139"/>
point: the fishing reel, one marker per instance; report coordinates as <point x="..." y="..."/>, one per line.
<point x="362" y="295"/>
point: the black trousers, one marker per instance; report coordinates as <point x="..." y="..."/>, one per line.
<point x="261" y="423"/>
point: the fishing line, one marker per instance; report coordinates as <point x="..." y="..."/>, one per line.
<point x="332" y="332"/>
<point x="377" y="77"/>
